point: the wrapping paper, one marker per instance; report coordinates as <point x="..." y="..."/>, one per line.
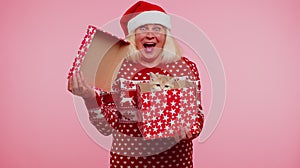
<point x="164" y="113"/>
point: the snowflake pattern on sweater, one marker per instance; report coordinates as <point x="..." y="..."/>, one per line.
<point x="116" y="114"/>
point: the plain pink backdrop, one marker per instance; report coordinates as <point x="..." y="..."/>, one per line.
<point x="258" y="42"/>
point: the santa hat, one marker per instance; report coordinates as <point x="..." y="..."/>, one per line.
<point x="142" y="13"/>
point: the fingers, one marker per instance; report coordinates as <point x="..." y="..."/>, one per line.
<point x="78" y="86"/>
<point x="176" y="137"/>
<point x="70" y="84"/>
<point x="188" y="133"/>
<point x="79" y="80"/>
<point x="87" y="87"/>
<point x="180" y="134"/>
<point x="75" y="84"/>
<point x="84" y="83"/>
<point x="183" y="133"/>
<point x="74" y="81"/>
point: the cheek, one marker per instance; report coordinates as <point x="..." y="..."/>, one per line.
<point x="161" y="40"/>
<point x="138" y="41"/>
<point x="138" y="44"/>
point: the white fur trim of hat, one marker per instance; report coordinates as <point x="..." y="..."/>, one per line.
<point x="149" y="17"/>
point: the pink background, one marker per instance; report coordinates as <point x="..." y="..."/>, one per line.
<point x="258" y="42"/>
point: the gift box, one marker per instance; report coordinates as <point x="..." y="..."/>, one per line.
<point x="99" y="56"/>
<point x="164" y="113"/>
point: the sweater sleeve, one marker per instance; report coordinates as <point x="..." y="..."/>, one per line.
<point x="198" y="125"/>
<point x="102" y="112"/>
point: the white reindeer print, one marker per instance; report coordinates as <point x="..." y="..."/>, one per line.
<point x="125" y="99"/>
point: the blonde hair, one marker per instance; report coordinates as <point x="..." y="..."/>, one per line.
<point x="171" y="50"/>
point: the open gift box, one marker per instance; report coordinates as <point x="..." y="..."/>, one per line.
<point x="99" y="57"/>
<point x="164" y="113"/>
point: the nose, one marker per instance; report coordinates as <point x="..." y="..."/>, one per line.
<point x="150" y="34"/>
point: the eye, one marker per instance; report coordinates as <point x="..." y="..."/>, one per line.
<point x="142" y="28"/>
<point x="157" y="85"/>
<point x="157" y="29"/>
<point x="166" y="86"/>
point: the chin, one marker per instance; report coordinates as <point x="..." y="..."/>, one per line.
<point x="149" y="55"/>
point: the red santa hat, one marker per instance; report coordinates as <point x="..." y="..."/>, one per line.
<point x="142" y="13"/>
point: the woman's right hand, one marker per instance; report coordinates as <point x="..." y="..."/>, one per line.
<point x="78" y="86"/>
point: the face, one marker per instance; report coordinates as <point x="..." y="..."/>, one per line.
<point x="150" y="40"/>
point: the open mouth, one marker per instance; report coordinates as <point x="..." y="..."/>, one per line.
<point x="149" y="47"/>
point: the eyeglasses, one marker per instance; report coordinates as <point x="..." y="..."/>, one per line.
<point x="154" y="28"/>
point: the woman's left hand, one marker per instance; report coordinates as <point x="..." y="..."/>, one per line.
<point x="183" y="134"/>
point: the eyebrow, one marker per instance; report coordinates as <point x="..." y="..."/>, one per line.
<point x="152" y="24"/>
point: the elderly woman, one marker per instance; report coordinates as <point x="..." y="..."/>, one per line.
<point x="147" y="27"/>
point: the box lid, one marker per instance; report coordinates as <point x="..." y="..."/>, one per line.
<point x="99" y="57"/>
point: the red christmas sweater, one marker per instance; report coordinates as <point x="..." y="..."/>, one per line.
<point x="116" y="113"/>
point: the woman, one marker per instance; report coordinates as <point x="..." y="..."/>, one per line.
<point x="147" y="27"/>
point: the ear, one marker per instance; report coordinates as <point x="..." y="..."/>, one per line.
<point x="152" y="75"/>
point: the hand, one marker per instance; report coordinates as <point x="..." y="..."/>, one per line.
<point x="184" y="134"/>
<point x="78" y="86"/>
